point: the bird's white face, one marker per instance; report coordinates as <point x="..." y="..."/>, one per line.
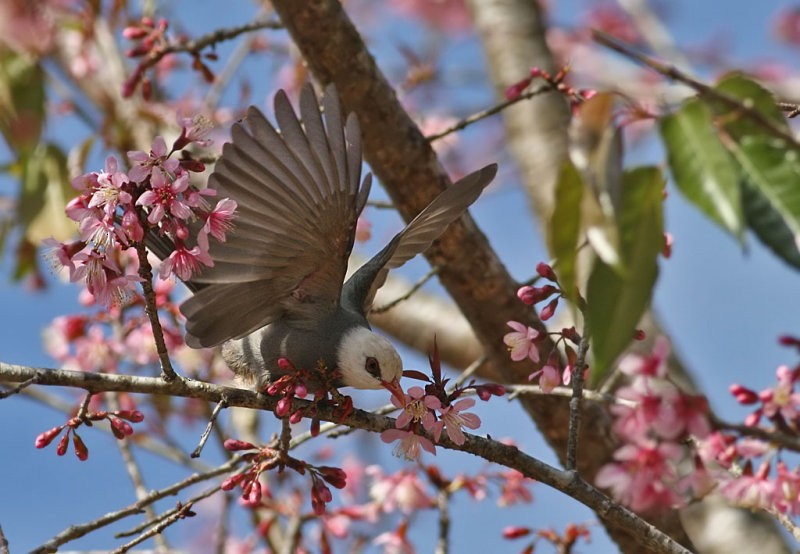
<point x="366" y="360"/>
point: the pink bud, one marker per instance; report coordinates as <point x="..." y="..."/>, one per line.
<point x="526" y="294"/>
<point x="639" y="334"/>
<point x="514" y="91"/>
<point x="544" y="270"/>
<point x="284" y="406"/>
<point x="43" y="439"/>
<point x="133" y="33"/>
<point x="300" y="391"/>
<point x="548" y="311"/>
<point x="231" y="481"/>
<point x="742" y="394"/>
<point x="335" y="476"/>
<point x="134" y="416"/>
<point x="80" y="447"/>
<point x="515" y="532"/>
<point x="234" y="445"/>
<point x="285" y="364"/>
<point x="61" y="449"/>
<point x="296" y="417"/>
<point x="123" y="427"/>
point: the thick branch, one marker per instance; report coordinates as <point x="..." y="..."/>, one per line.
<point x="509" y="456"/>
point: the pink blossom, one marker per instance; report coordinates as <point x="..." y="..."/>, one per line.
<point x="786" y="496"/>
<point x="521" y="342"/>
<point x="108" y="192"/>
<point x="417" y="407"/>
<point x="514" y="488"/>
<point x="782" y="399"/>
<point x="410" y="445"/>
<point x="395" y="542"/>
<point x="549" y="378"/>
<point x="165" y="197"/>
<point x="654" y="365"/>
<point x="185" y="263"/>
<point x="643" y="476"/>
<point x="750" y="490"/>
<point x="219" y="220"/>
<point x="402" y="490"/>
<point x="453" y="419"/>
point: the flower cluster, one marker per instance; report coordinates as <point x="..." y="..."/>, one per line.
<point x="119" y="427"/>
<point x="263" y="459"/>
<point x="654" y="419"/>
<point x="433" y="409"/>
<point x="116" y="210"/>
<point x="743" y="465"/>
<point x="151" y="47"/>
<point x="523" y="342"/>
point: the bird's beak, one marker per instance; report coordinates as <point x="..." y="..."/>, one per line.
<point x="394" y="387"/>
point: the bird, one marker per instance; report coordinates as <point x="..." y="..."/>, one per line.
<point x="277" y="286"/>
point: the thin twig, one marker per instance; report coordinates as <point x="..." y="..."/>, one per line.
<point x="183" y="512"/>
<point x="594" y="396"/>
<point x="168" y="514"/>
<point x="146" y="273"/>
<point x="469" y="371"/>
<point x="787" y="523"/>
<point x="483" y="114"/>
<point x="76" y="531"/>
<point x="207" y="433"/>
<point x="84" y="407"/>
<point x="135" y="473"/>
<point x="418" y="285"/>
<point x="784" y="440"/>
<point x="575" y="403"/>
<point x="443" y="505"/>
<point x="19" y="388"/>
<point x="701" y="88"/>
<point x="381" y="204"/>
<point x="221" y="535"/>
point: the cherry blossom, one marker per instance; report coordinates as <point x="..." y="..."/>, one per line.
<point x="410" y="444"/>
<point x="453" y="419"/>
<point x="521" y="342"/>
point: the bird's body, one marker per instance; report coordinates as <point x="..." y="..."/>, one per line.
<point x="276" y="289"/>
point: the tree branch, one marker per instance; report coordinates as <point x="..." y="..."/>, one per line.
<point x="567" y="482"/>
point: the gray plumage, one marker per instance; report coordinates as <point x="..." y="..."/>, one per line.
<point x="277" y="285"/>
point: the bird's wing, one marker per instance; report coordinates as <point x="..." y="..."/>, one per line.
<point x="298" y="199"/>
<point x="360" y="288"/>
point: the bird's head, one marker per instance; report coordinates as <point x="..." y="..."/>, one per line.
<point x="367" y="360"/>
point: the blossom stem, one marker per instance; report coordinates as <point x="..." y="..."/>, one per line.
<point x="146" y="273"/>
<point x="576" y="401"/>
<point x="443" y="503"/>
<point x="221" y="405"/>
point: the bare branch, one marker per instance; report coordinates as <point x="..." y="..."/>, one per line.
<point x="575" y="401"/>
<point x="76" y="531"/>
<point x="146" y="273"/>
<point x="418" y="285"/>
<point x="207" y="433"/>
<point x="19" y="388"/>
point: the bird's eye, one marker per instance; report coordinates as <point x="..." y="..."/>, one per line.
<point x="373" y="367"/>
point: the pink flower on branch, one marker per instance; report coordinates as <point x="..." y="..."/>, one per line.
<point x="521" y="342"/>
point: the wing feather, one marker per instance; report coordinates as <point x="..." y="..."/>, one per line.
<point x="298" y="194"/>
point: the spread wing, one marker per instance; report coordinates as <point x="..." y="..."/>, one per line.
<point x="360" y="288"/>
<point x="298" y="200"/>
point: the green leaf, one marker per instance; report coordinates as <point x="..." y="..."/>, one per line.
<point x="616" y="301"/>
<point x="769" y="226"/>
<point x="772" y="172"/>
<point x="702" y="168"/>
<point x="22" y="101"/>
<point x="751" y="94"/>
<point x="564" y="227"/>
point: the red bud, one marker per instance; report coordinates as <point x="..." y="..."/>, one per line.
<point x="43" y="439"/>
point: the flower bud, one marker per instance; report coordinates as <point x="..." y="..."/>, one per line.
<point x="43" y="439"/>
<point x="234" y="445"/>
<point x="544" y="270"/>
